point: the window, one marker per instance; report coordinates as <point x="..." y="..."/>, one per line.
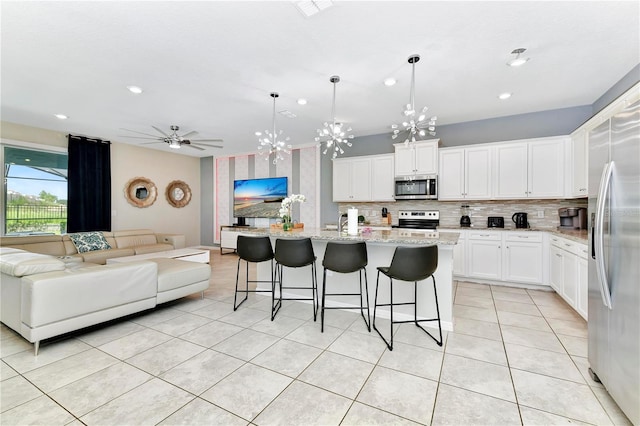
<point x="35" y="191"/>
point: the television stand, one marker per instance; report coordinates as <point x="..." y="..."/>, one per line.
<point x="241" y="222"/>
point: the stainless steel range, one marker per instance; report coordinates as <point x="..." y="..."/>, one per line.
<point x="428" y="220"/>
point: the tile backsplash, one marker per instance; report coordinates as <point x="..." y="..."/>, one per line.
<point x="479" y="211"/>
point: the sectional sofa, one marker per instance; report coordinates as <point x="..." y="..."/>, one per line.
<point x="43" y="295"/>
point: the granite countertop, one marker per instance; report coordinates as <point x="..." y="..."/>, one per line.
<point x="578" y="235"/>
<point x="395" y="236"/>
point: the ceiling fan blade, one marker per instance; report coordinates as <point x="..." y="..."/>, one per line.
<point x="149" y="143"/>
<point x="166" y="135"/>
<point x="207" y="140"/>
<point x="191" y="133"/>
<point x="206" y="146"/>
<point x="135" y="131"/>
<point x="140" y="137"/>
<point x="193" y="146"/>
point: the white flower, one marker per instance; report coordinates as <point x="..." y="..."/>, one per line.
<point x="285" y="206"/>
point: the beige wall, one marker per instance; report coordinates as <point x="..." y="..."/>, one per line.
<point x="128" y="161"/>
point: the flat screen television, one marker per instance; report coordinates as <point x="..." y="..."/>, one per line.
<point x="258" y="197"/>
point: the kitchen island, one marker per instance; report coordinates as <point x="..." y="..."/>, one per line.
<point x="381" y="245"/>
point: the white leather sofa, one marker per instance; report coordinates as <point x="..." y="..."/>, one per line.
<point x="42" y="296"/>
<point x="123" y="243"/>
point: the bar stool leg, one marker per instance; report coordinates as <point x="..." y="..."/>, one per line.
<point x="324" y="290"/>
<point x="367" y="320"/>
<point x="375" y="307"/>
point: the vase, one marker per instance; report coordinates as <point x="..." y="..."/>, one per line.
<point x="287" y="226"/>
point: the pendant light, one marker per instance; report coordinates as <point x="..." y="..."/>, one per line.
<point x="415" y="127"/>
<point x="332" y="135"/>
<point x="272" y="143"/>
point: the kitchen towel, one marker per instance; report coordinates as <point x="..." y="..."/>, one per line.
<point x="352" y="221"/>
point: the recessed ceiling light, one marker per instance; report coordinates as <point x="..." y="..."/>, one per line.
<point x="505" y="95"/>
<point x="61" y="116"/>
<point x="390" y="81"/>
<point x="258" y="133"/>
<point x="302" y="101"/>
<point x="135" y="89"/>
<point x="518" y="61"/>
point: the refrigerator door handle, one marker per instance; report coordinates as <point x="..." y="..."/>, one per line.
<point x="598" y="238"/>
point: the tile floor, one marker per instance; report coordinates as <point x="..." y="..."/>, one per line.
<point x="515" y="357"/>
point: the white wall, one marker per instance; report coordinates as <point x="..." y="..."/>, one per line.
<point x="128" y="161"/>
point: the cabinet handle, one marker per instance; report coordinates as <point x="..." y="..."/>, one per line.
<point x="485" y="235"/>
<point x="558" y="254"/>
<point x="568" y="245"/>
<point x="523" y="236"/>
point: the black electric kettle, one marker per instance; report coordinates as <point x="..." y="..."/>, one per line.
<point x="520" y="219"/>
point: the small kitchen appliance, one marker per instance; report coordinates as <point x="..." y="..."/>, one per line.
<point x="465" y="220"/>
<point x="420" y="187"/>
<point x="495" y="222"/>
<point x="520" y="219"/>
<point x="573" y="218"/>
<point x="418" y="219"/>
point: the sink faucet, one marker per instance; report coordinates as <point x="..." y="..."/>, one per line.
<point x="342" y="221"/>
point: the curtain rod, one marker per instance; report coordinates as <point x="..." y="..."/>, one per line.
<point x="88" y="139"/>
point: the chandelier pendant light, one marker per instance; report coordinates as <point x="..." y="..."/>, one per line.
<point x="415" y="125"/>
<point x="272" y="143"/>
<point x="332" y="135"/>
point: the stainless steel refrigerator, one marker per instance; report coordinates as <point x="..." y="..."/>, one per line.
<point x="614" y="261"/>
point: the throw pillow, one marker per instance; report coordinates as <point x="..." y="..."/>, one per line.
<point x="89" y="241"/>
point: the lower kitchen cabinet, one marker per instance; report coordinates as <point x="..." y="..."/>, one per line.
<point x="459" y="253"/>
<point x="522" y="257"/>
<point x="569" y="273"/>
<point x="485" y="255"/>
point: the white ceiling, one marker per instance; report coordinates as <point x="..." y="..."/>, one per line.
<point x="210" y="65"/>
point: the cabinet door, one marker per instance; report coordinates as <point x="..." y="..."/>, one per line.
<point x="546" y="168"/>
<point x="511" y="171"/>
<point x="523" y="262"/>
<point x="570" y="279"/>
<point x="382" y="174"/>
<point x="360" y="180"/>
<point x="583" y="287"/>
<point x="484" y="259"/>
<point x="341" y="180"/>
<point x="579" y="163"/>
<point x="451" y="177"/>
<point x="556" y="268"/>
<point x="477" y="166"/>
<point x="426" y="158"/>
<point x="404" y="164"/>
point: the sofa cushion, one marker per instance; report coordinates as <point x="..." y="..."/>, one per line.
<point x="24" y="263"/>
<point x="152" y="248"/>
<point x="89" y="241"/>
<point x="44" y="244"/>
<point x="173" y="273"/>
<point x="101" y="256"/>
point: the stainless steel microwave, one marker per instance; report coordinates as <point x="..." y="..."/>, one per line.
<point x="419" y="187"/>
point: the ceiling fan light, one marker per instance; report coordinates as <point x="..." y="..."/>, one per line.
<point x="174" y="144"/>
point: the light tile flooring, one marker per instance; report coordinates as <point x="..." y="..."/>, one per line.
<point x="516" y="357"/>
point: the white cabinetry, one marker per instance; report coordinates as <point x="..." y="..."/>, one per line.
<point x="465" y="173"/>
<point x="568" y="273"/>
<point x="485" y="255"/>
<point x="531" y="169"/>
<point x="522" y="257"/>
<point x="578" y="163"/>
<point x="365" y="178"/>
<point x="382" y="174"/>
<point x="459" y="253"/>
<point x="352" y="179"/>
<point x="417" y="158"/>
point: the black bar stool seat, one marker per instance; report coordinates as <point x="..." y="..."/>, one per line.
<point x="345" y="258"/>
<point x="295" y="253"/>
<point x="254" y="250"/>
<point x="410" y="264"/>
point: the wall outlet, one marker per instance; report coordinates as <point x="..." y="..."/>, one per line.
<point x="540" y="213"/>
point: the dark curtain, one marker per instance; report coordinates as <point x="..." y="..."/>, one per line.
<point x="89" y="185"/>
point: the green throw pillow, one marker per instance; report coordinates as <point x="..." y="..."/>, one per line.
<point x="89" y="241"/>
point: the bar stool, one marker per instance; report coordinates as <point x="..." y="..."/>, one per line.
<point x="295" y="253"/>
<point x="345" y="258"/>
<point x="410" y="264"/>
<point x="255" y="250"/>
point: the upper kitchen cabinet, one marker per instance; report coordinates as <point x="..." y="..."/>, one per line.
<point x="365" y="178"/>
<point x="417" y="158"/>
<point x="578" y="163"/>
<point x="531" y="169"/>
<point x="465" y="173"/>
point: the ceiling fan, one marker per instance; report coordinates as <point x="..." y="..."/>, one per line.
<point x="175" y="140"/>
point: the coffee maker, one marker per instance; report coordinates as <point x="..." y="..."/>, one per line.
<point x="465" y="220"/>
<point x="573" y="218"/>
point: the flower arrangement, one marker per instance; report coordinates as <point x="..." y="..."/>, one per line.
<point x="285" y="209"/>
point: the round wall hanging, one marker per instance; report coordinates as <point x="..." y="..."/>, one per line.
<point x="140" y="192"/>
<point x="178" y="193"/>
